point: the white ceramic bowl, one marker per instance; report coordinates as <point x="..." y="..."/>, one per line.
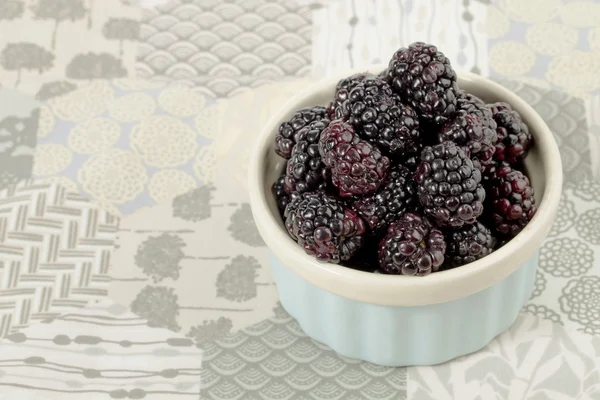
<point x="404" y="320"/>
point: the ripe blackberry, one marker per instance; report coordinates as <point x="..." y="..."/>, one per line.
<point x="380" y="118"/>
<point x="342" y="90"/>
<point x="396" y="195"/>
<point x="511" y="200"/>
<point x="324" y="227"/>
<point x="305" y="169"/>
<point x="468" y="244"/>
<point x="290" y="130"/>
<point x="281" y="197"/>
<point x="425" y="80"/>
<point x="467" y="130"/>
<point x="449" y="185"/>
<point x="357" y="167"/>
<point x="411" y="247"/>
<point x="473" y="105"/>
<point x="514" y="139"/>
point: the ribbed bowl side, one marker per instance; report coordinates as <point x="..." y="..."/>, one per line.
<point x="401" y="336"/>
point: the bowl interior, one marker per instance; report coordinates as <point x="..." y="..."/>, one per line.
<point x="543" y="166"/>
<point x="274" y="165"/>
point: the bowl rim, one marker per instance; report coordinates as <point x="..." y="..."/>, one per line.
<point x="398" y="290"/>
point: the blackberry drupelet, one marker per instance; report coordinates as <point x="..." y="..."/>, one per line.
<point x="290" y="131"/>
<point x="514" y="138"/>
<point x="449" y="185"/>
<point x="357" y="167"/>
<point x="305" y="169"/>
<point x="467" y="244"/>
<point x="425" y="80"/>
<point x="397" y="195"/>
<point x="372" y="107"/>
<point x="342" y="90"/>
<point x="411" y="247"/>
<point x="323" y="226"/>
<point x="511" y="202"/>
<point x="280" y="194"/>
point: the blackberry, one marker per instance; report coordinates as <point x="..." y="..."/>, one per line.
<point x="324" y="227"/>
<point x="468" y="244"/>
<point x="343" y="88"/>
<point x="467" y="130"/>
<point x="289" y="131"/>
<point x="305" y="170"/>
<point x="411" y="247"/>
<point x="425" y="80"/>
<point x="511" y="200"/>
<point x="396" y="195"/>
<point x="514" y="139"/>
<point x="380" y="118"/>
<point x="356" y="166"/>
<point x="449" y="185"/>
<point x="281" y="197"/>
<point x="474" y="106"/>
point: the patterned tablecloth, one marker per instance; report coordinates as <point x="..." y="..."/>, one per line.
<point x="130" y="266"/>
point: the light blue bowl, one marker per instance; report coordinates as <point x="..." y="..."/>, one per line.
<point x="406" y="320"/>
<point x="404" y="335"/>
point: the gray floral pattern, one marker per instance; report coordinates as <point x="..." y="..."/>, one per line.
<point x="121" y="29"/>
<point x="581" y="302"/>
<point x="18" y="138"/>
<point x="54" y="89"/>
<point x="58" y="11"/>
<point x="157" y="304"/>
<point x="588" y="226"/>
<point x="159" y="256"/>
<point x="41" y="38"/>
<point x="242" y="227"/>
<point x="11" y="9"/>
<point x="194" y="205"/>
<point x="540" y="285"/>
<point x="588" y="190"/>
<point x="237" y="280"/>
<point x="565" y="217"/>
<point x="95" y="66"/>
<point x="566" y="257"/>
<point x="534" y="359"/>
<point x="210" y="330"/>
<point x="25" y="56"/>
<point x="543" y="312"/>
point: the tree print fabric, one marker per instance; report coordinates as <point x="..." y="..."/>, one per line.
<point x="44" y="44"/>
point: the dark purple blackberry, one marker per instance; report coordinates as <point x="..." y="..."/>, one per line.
<point x="467" y="244"/>
<point x="324" y="227"/>
<point x="396" y="195"/>
<point x="305" y="169"/>
<point x="511" y="201"/>
<point x="425" y="80"/>
<point x="343" y="88"/>
<point x="372" y="107"/>
<point x="449" y="185"/>
<point x="357" y="167"/>
<point x="289" y="131"/>
<point x="411" y="247"/>
<point x="474" y="106"/>
<point x="514" y="139"/>
<point x="467" y="130"/>
<point x="280" y="194"/>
